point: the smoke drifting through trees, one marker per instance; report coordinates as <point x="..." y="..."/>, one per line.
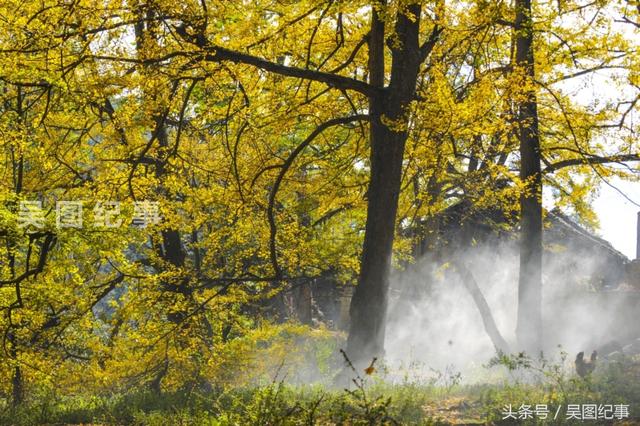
<point x="438" y="324"/>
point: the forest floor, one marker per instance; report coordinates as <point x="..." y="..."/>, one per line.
<point x="527" y="393"/>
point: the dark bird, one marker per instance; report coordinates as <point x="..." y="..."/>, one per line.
<point x="586" y="367"/>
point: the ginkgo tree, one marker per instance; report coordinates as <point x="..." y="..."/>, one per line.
<point x="282" y="142"/>
<point x="188" y="43"/>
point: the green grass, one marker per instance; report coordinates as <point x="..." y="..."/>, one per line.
<point x="371" y="400"/>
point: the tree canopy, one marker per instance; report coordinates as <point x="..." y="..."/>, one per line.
<point x="223" y="153"/>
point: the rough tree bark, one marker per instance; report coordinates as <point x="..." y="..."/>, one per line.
<point x="369" y="303"/>
<point x="529" y="326"/>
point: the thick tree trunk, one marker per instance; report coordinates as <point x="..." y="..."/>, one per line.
<point x="529" y="327"/>
<point x="369" y="303"/>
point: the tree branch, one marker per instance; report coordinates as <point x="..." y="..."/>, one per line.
<point x="428" y="45"/>
<point x="285" y="167"/>
<point x="591" y="159"/>
<point x="220" y="54"/>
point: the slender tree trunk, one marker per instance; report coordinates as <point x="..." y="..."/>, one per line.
<point x="170" y="248"/>
<point x="529" y="327"/>
<point x="369" y="303"/>
<point x="499" y="343"/>
<point x="17" y="385"/>
<point x="16" y="381"/>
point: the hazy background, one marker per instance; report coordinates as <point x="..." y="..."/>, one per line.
<point x="618" y="216"/>
<point x="440" y="330"/>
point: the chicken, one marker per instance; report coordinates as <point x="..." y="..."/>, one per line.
<point x="586" y="367"/>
